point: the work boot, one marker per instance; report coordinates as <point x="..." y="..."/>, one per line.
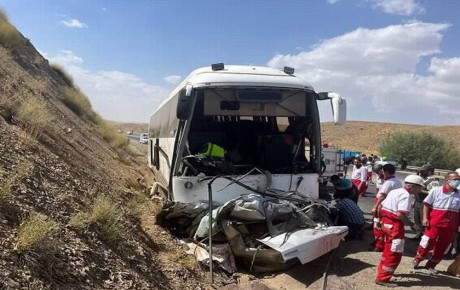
<point x="386" y="283"/>
<point x="415" y="263"/>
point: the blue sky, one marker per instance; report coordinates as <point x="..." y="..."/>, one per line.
<point x="393" y="60"/>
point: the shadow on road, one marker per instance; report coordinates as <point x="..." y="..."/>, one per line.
<point x="421" y="279"/>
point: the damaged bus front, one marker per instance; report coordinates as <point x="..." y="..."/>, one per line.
<point x="239" y="133"/>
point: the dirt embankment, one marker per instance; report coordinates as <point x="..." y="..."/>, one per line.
<point x="74" y="209"/>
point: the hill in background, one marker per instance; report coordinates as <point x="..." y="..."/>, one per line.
<point x="366" y="136"/>
<point x="354" y="135"/>
<point x="136" y="128"/>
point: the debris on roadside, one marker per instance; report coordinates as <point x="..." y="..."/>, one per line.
<point x="263" y="233"/>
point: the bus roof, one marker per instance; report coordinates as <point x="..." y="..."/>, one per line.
<point x="241" y="75"/>
<point x="230" y="76"/>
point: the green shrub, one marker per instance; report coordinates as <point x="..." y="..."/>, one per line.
<point x="34" y="232"/>
<point x="421" y="148"/>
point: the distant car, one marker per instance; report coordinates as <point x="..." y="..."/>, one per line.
<point x="386" y="161"/>
<point x="143" y="138"/>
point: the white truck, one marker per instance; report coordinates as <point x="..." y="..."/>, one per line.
<point x="228" y="132"/>
<point x="333" y="157"/>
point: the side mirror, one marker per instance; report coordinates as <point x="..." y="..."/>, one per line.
<point x="339" y="109"/>
<point x="185" y="103"/>
<point x="339" y="106"/>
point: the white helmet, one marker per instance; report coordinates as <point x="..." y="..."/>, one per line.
<point x="414" y="179"/>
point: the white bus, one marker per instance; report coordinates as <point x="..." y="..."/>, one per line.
<point x="250" y="125"/>
<point x="262" y="117"/>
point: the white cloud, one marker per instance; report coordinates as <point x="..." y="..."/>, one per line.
<point x="64" y="58"/>
<point x="398" y="7"/>
<point x="104" y="9"/>
<point x="332" y="1"/>
<point x="173" y="79"/>
<point x="376" y="70"/>
<point x="74" y="23"/>
<point x="116" y="95"/>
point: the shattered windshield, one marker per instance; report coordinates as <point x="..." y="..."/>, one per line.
<point x="251" y="102"/>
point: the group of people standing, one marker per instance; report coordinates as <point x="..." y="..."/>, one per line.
<point x="440" y="222"/>
<point x="436" y="213"/>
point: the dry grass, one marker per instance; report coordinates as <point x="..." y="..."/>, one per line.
<point x="61" y="72"/>
<point x="34" y="232"/>
<point x="34" y="116"/>
<point x="12" y="83"/>
<point x="139" y="206"/>
<point x="23" y="170"/>
<point x="186" y="260"/>
<point x="111" y="135"/>
<point x="136" y="206"/>
<point x="9" y="35"/>
<point x="20" y="96"/>
<point x="104" y="215"/>
<point x="76" y="101"/>
<point x="5" y="188"/>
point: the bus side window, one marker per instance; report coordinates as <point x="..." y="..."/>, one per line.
<point x="156" y="154"/>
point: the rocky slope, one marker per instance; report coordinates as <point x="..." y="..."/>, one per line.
<point x="58" y="164"/>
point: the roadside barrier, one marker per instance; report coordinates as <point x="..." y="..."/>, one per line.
<point x="438" y="172"/>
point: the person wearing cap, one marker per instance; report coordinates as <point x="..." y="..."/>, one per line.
<point x="359" y="176"/>
<point x="380" y="179"/>
<point x="426" y="172"/>
<point x="390" y="183"/>
<point x="394" y="212"/>
<point x="441" y="219"/>
<point x="344" y="188"/>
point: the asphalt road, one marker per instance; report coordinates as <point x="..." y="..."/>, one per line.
<point x="133" y="137"/>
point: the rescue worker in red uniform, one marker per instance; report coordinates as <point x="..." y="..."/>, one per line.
<point x="359" y="176"/>
<point x="390" y="183"/>
<point x="441" y="218"/>
<point x="394" y="212"/>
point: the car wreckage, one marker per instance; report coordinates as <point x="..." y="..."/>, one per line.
<point x="236" y="153"/>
